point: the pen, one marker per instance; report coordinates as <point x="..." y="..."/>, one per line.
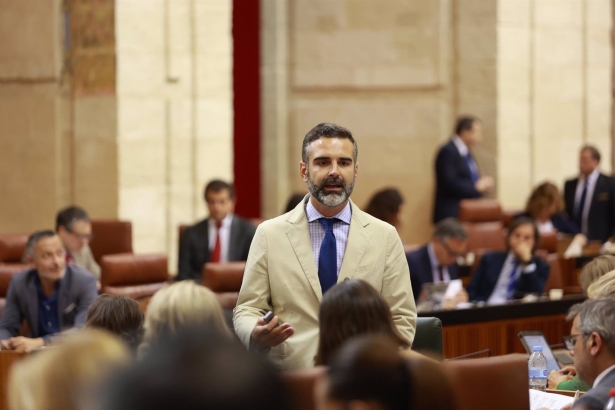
<point x="576" y="396"/>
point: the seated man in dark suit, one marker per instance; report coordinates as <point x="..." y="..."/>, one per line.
<point x="52" y="297"/>
<point x="457" y="175"/>
<point x="503" y="276"/>
<point x="592" y="345"/>
<point x="437" y="261"/>
<point x="590" y="198"/>
<point x="223" y="237"/>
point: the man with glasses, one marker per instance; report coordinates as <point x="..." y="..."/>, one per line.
<point x="436" y="262"/>
<point x="75" y="230"/>
<point x="592" y="346"/>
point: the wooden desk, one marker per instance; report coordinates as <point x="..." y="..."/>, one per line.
<point x="497" y="327"/>
<point x="7" y="359"/>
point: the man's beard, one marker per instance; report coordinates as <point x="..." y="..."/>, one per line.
<point x="331" y="199"/>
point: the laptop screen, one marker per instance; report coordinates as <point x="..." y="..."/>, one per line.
<point x="539" y="340"/>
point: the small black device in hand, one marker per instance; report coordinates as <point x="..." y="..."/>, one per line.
<point x="268" y="316"/>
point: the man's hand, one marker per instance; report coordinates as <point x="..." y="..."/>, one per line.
<point x="22" y="344"/>
<point x="484" y="184"/>
<point x="555" y="378"/>
<point x="268" y="335"/>
<point x="523" y="252"/>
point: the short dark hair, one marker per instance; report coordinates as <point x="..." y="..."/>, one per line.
<point x="385" y="205"/>
<point x="35" y="237"/>
<point x="523" y="220"/>
<point x="69" y="215"/>
<point x="218" y="185"/>
<point x="465" y="123"/>
<point x="293" y="201"/>
<point x="592" y="150"/>
<point x="327" y="130"/>
<point x="352" y="308"/>
<point x="119" y="315"/>
<point x="450" y="228"/>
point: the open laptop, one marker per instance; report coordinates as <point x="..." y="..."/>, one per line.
<point x="537" y="338"/>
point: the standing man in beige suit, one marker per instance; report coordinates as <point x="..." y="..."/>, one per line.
<point x="326" y="239"/>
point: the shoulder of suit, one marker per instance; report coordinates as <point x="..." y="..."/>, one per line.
<point x="23" y="276"/>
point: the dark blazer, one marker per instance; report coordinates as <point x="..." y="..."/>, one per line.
<point x="486" y="277"/>
<point x="194" y="246"/>
<point x="601" y="217"/>
<point x="453" y="182"/>
<point x="76" y="293"/>
<point x="420" y="270"/>
<point x="597" y="397"/>
<point x="560" y="222"/>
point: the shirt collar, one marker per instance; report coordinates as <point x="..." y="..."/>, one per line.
<point x="226" y="222"/>
<point x="432" y="256"/>
<point x="592" y="178"/>
<point x="39" y="285"/>
<point x="461" y="146"/>
<point x="312" y="214"/>
<point x="603" y="375"/>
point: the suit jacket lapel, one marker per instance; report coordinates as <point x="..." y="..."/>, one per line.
<point x="597" y="190"/>
<point x="427" y="270"/>
<point x="358" y="240"/>
<point x="298" y="234"/>
<point x="32" y="303"/>
<point x="63" y="295"/>
<point x="232" y="250"/>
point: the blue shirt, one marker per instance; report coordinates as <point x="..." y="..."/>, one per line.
<point x="48" y="319"/>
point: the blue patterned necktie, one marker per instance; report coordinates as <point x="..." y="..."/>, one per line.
<point x="327" y="262"/>
<point x="512" y="282"/>
<point x="473" y="168"/>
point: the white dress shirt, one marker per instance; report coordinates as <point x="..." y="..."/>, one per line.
<point x="464" y="151"/>
<point x="500" y="292"/>
<point x="225" y="236"/>
<point x="435" y="274"/>
<point x="603" y="375"/>
<point x="591" y="185"/>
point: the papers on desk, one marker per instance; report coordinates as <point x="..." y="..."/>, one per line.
<point x="551" y="401"/>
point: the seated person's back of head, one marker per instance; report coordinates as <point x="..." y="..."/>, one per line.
<point x="63" y="377"/>
<point x="353" y="308"/>
<point x="386" y="205"/>
<point x="595" y="269"/>
<point x="293" y="201"/>
<point x="197" y="368"/>
<point x="370" y="373"/>
<point x="180" y="305"/>
<point x="119" y="315"/>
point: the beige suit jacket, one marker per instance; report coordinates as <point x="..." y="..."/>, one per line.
<point x="281" y="276"/>
<point x="85" y="259"/>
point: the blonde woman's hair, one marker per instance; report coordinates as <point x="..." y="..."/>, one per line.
<point x="596" y="269"/>
<point x="543" y="196"/>
<point x="602" y="287"/>
<point x="62" y="377"/>
<point x="179" y="305"/>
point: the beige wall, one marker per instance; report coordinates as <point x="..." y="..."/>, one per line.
<point x="398" y="73"/>
<point x="174" y="94"/>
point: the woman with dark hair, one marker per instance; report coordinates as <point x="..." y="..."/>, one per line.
<point x="545" y="206"/>
<point x="353" y="308"/>
<point x="503" y="276"/>
<point x="386" y="205"/>
<point x="369" y="374"/>
<point x="119" y="315"/>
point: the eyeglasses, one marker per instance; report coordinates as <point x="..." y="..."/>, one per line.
<point x="570" y="341"/>
<point x="451" y="252"/>
<point x="86" y="237"/>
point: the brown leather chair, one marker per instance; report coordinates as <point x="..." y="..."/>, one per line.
<point x="555" y="280"/>
<point x="12" y="247"/>
<point x="7" y="271"/>
<point x="110" y="236"/>
<point x="300" y="385"/>
<point x="135" y="276"/>
<point x="490" y="383"/>
<point x="508" y="216"/>
<point x="548" y="242"/>
<point x="224" y="279"/>
<point x="482" y="219"/>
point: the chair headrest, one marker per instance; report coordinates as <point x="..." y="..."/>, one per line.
<point x="7" y="271"/>
<point x="127" y="269"/>
<point x="110" y="236"/>
<point x="223" y="277"/>
<point x="12" y="247"/>
<point x="480" y="210"/>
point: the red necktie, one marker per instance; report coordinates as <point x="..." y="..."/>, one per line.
<point x="215" y="254"/>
